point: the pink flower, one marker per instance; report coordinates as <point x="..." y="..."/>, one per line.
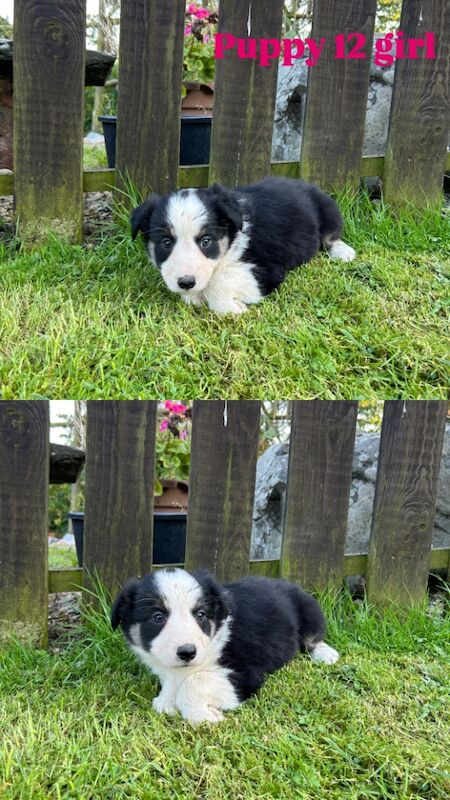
<point x="202" y="13"/>
<point x="188" y="30"/>
<point x="192" y="8"/>
<point x="164" y="425"/>
<point x="175" y="408"/>
<point x="183" y="435"/>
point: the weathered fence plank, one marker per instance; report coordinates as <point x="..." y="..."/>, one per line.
<point x="221" y="485"/>
<point x="49" y="55"/>
<point x="337" y="95"/>
<point x="24" y="471"/>
<point x="120" y="454"/>
<point x="149" y="98"/>
<point x="405" y="499"/>
<point x="318" y="491"/>
<point x="244" y="96"/>
<point x="420" y="109"/>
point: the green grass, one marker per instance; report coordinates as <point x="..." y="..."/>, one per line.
<point x="78" y="723"/>
<point x="62" y="557"/>
<point x="97" y="322"/>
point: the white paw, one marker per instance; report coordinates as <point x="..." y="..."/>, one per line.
<point x="324" y="653"/>
<point x="231" y="306"/>
<point x="162" y="705"/>
<point x="205" y="714"/>
<point x="341" y="251"/>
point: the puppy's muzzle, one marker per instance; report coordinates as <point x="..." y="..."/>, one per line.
<point x="186" y="282"/>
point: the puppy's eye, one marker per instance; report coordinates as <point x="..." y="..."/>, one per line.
<point x="158" y="618"/>
<point x="199" y="615"/>
<point x="166" y="243"/>
<point x="205" y="242"/>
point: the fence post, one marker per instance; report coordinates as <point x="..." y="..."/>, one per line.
<point x="405" y="500"/>
<point x="24" y="478"/>
<point x="149" y="100"/>
<point x="225" y="437"/>
<point x="49" y="56"/>
<point x="244" y="96"/>
<point x="420" y="110"/>
<point x="318" y="491"/>
<point x="337" y="95"/>
<point x="120" y="455"/>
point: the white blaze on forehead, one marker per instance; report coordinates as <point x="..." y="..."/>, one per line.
<point x="186" y="214"/>
<point x="179" y="589"/>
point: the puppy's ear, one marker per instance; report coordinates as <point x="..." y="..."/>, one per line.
<point x="228" y="206"/>
<point x="124" y="602"/>
<point x="141" y="216"/>
<point x="213" y="593"/>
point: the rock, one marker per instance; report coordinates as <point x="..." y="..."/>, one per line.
<point x="270" y="494"/>
<point x="291" y="102"/>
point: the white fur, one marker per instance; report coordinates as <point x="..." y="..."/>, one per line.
<point x="324" y="653"/>
<point x="341" y="251"/>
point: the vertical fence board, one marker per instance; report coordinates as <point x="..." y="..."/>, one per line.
<point x="120" y="456"/>
<point x="221" y="485"/>
<point x="318" y="491"/>
<point x="405" y="500"/>
<point x="24" y="476"/>
<point x="420" y="110"/>
<point x="149" y="99"/>
<point x="49" y="55"/>
<point x="244" y="96"/>
<point x="337" y="95"/>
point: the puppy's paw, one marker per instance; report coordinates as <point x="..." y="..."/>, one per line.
<point x="229" y="306"/>
<point x="204" y="714"/>
<point x="341" y="251"/>
<point x="324" y="653"/>
<point x="163" y="705"/>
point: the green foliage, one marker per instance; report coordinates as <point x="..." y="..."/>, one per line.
<point x="173" y="444"/>
<point x="6" y="28"/>
<point x="198" y="58"/>
<point x="58" y="507"/>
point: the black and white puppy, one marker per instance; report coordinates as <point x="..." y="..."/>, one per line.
<point x="230" y="247"/>
<point x="211" y="645"/>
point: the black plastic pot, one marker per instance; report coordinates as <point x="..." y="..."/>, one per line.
<point x="169" y="536"/>
<point x="195" y="140"/>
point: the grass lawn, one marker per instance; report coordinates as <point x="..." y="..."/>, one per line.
<point x="97" y="322"/>
<point x="78" y="723"/>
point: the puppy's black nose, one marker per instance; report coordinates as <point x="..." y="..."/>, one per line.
<point x="186" y="652"/>
<point x="186" y="282"/>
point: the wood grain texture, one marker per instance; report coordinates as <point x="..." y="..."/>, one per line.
<point x="118" y="525"/>
<point x="244" y="96"/>
<point x="224" y="447"/>
<point x="420" y="110"/>
<point x="149" y="98"/>
<point x="318" y="491"/>
<point x="24" y="472"/>
<point x="337" y="96"/>
<point x="49" y="56"/>
<point x="405" y="500"/>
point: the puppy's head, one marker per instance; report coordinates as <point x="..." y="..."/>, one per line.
<point x="187" y="233"/>
<point x="171" y="616"/>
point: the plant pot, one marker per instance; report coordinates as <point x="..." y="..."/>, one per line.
<point x="198" y="100"/>
<point x="195" y="139"/>
<point x="169" y="533"/>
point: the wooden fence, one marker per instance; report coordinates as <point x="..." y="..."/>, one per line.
<point x="48" y="106"/>
<point x="119" y="500"/>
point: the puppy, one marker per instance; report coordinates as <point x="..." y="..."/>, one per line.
<point x="211" y="646"/>
<point x="228" y="248"/>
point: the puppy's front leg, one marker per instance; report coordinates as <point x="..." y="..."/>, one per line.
<point x="164" y="703"/>
<point x="226" y="304"/>
<point x="202" y="695"/>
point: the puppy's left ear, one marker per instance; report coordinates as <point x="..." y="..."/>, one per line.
<point x="124" y="602"/>
<point x="213" y="592"/>
<point x="141" y="216"/>
<point x="228" y="206"/>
